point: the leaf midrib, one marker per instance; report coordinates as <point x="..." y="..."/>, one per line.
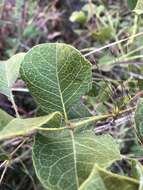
<point x="61" y="95"/>
<point x="75" y="159"/>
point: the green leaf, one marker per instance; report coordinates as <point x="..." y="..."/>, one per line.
<point x="9" y="71"/>
<point x="106" y="62"/>
<point x="66" y="162"/>
<point x="101" y="179"/>
<point x="139" y="118"/>
<point x="79" y="110"/>
<point x="78" y="16"/>
<point x="136" y="6"/>
<point x="137" y="172"/>
<point x="57" y="76"/>
<point x="31" y="31"/>
<point x="4" y="118"/>
<point x="139" y="7"/>
<point x="132" y="4"/>
<point x="104" y="34"/>
<point x="19" y="127"/>
<point x="4" y="157"/>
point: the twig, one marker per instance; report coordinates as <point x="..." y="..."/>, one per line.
<point x="102" y="117"/>
<point x="112" y="44"/>
<point x="7" y="162"/>
<point x="20" y="90"/>
<point x="14" y="105"/>
<point x="116" y="123"/>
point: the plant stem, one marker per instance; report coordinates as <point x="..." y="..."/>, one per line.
<point x="14" y="105"/>
<point x="52" y="129"/>
<point x="95" y="50"/>
<point x="97" y="118"/>
<point x="72" y="125"/>
<point x="7" y="162"/>
<point x="114" y="32"/>
<point x="135" y="27"/>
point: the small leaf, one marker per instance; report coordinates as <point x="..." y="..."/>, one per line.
<point x="19" y="127"/>
<point x="137" y="173"/>
<point x="132" y="4"/>
<point x="78" y="16"/>
<point x="136" y="6"/>
<point x="101" y="179"/>
<point x="106" y="62"/>
<point x="139" y="7"/>
<point x="57" y="76"/>
<point x="4" y="118"/>
<point x="4" y="157"/>
<point x="104" y="34"/>
<point x="139" y="118"/>
<point x="79" y="110"/>
<point x="31" y="31"/>
<point x="66" y="162"/>
<point x="9" y="71"/>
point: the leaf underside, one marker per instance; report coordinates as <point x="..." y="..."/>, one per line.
<point x="4" y="119"/>
<point x="9" y="71"/>
<point x="64" y="163"/>
<point x="57" y="75"/>
<point x="101" y="179"/>
<point x="19" y="127"/>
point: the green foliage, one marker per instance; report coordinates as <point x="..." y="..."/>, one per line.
<point x="9" y="71"/>
<point x="4" y="119"/>
<point x="102" y="179"/>
<point x="72" y="147"/>
<point x="105" y="62"/>
<point x="66" y="153"/>
<point x="62" y="76"/>
<point x="132" y="4"/>
<point x="66" y="162"/>
<point x="18" y="127"/>
<point x="78" y="16"/>
<point x="139" y="118"/>
<point x="139" y="7"/>
<point x="30" y="32"/>
<point x="136" y="6"/>
<point x="137" y="172"/>
<point x="105" y="33"/>
<point x="84" y="15"/>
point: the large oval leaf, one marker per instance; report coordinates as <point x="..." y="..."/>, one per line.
<point x="66" y="162"/>
<point x="9" y="71"/>
<point x="57" y="76"/>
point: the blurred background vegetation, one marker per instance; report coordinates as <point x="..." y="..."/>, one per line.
<point x="117" y="70"/>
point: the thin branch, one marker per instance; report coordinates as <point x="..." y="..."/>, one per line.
<point x="112" y="44"/>
<point x="14" y="105"/>
<point x="20" y="90"/>
<point x="98" y="118"/>
<point x="117" y="122"/>
<point x="7" y="162"/>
